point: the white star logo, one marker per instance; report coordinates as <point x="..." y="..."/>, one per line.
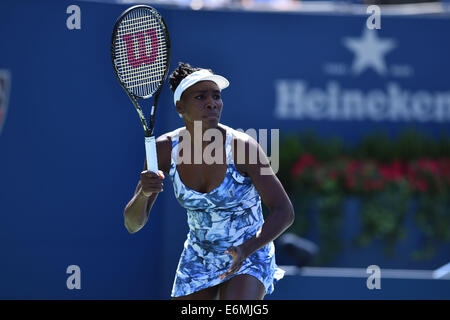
<point x="369" y="51"/>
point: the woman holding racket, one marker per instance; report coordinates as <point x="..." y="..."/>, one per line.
<point x="229" y="251"/>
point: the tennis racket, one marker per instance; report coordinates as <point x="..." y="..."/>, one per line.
<point x="140" y="53"/>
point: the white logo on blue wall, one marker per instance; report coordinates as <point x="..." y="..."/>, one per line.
<point x="369" y="51"/>
<point x="366" y="99"/>
<point x="297" y="99"/>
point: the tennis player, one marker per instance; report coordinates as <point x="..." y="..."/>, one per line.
<point x="229" y="251"/>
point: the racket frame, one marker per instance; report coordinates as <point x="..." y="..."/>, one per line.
<point x="150" y="141"/>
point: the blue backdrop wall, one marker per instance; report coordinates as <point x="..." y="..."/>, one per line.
<point x="72" y="147"/>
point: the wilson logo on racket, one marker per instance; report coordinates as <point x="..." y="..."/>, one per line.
<point x="143" y="57"/>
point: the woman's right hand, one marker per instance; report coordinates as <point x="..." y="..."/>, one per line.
<point x="151" y="182"/>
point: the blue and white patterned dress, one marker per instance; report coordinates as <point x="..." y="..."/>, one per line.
<point x="226" y="216"/>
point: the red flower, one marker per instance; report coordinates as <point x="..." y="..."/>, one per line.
<point x="422" y="175"/>
<point x="393" y="171"/>
<point x="304" y="161"/>
<point x="373" y="185"/>
<point x="353" y="166"/>
<point x="444" y="169"/>
<point x="419" y="185"/>
<point x="352" y="174"/>
<point x="428" y="165"/>
<point x="350" y="183"/>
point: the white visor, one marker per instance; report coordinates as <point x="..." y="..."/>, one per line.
<point x="197" y="76"/>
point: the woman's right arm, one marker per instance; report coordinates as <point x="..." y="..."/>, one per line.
<point x="137" y="210"/>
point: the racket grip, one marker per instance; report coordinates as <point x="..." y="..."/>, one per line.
<point x="150" y="152"/>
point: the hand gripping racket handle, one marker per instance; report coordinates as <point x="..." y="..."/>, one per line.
<point x="150" y="152"/>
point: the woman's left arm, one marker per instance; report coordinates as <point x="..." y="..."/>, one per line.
<point x="274" y="196"/>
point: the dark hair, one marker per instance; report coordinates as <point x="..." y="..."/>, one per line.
<point x="181" y="72"/>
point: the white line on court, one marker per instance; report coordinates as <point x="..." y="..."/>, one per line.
<point x="361" y="273"/>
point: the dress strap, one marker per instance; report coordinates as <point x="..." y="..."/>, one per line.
<point x="228" y="141"/>
<point x="174" y="153"/>
<point x="230" y="159"/>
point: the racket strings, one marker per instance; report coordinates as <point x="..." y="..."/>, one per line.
<point x="141" y="76"/>
<point x="141" y="52"/>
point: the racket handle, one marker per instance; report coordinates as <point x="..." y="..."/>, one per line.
<point x="150" y="152"/>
